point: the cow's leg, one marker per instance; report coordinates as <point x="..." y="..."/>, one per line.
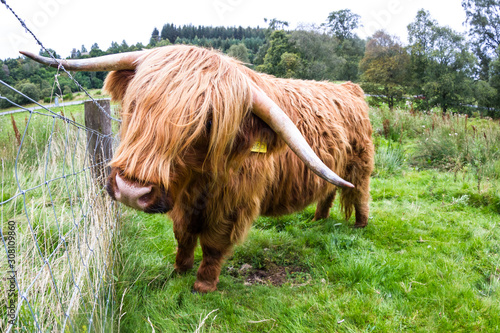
<point x="214" y="251"/>
<point x="361" y="206"/>
<point x="186" y="243"/>
<point x="323" y="207"/>
<point x="362" y="190"/>
<point x="359" y="171"/>
<point x="356" y="199"/>
<point x="360" y="196"/>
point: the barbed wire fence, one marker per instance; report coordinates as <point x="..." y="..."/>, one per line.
<point x="57" y="225"/>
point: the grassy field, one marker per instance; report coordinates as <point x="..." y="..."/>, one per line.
<point x="427" y="262"/>
<point x="79" y="96"/>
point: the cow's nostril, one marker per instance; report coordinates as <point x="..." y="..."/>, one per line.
<point x="131" y="194"/>
<point x="144" y="199"/>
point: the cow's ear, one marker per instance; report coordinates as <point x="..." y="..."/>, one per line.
<point x="254" y="130"/>
<point x="116" y="83"/>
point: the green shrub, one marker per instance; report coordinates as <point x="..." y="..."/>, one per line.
<point x="68" y="97"/>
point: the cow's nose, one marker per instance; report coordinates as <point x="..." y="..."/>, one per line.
<point x="131" y="194"/>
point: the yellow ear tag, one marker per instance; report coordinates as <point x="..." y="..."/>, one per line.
<point x="259" y="147"/>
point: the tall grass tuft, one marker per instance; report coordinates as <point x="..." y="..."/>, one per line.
<point x="390" y="158"/>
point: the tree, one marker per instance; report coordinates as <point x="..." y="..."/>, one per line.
<point x="494" y="82"/>
<point x="486" y="96"/>
<point x="4" y="71"/>
<point x="239" y="51"/>
<point x="281" y="58"/>
<point x="170" y="32"/>
<point x="8" y="96"/>
<point x="275" y="24"/>
<point x="419" y="38"/>
<point x="451" y="68"/>
<point x="444" y="62"/>
<point x="155" y="37"/>
<point x="44" y="53"/>
<point x="124" y="46"/>
<point x="352" y="50"/>
<point x="319" y="55"/>
<point x="114" y="48"/>
<point x="95" y="51"/>
<point x="385" y="68"/>
<point x="483" y="18"/>
<point x="342" y="23"/>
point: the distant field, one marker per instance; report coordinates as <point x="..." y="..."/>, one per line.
<point x="79" y="96"/>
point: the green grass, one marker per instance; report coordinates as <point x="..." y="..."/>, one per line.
<point x="427" y="262"/>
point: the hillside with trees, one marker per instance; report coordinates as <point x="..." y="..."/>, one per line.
<point x="436" y="67"/>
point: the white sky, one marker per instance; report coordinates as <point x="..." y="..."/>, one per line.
<point x="66" y="24"/>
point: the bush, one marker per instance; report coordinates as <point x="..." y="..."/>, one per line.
<point x="29" y="89"/>
<point x="68" y="97"/>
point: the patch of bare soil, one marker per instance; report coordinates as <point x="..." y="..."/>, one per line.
<point x="274" y="275"/>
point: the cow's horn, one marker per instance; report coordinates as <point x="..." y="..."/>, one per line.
<point x="111" y="62"/>
<point x="277" y="119"/>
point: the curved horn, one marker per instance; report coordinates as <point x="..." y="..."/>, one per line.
<point x="111" y="62"/>
<point x="277" y="119"/>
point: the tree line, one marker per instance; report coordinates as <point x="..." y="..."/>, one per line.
<point x="438" y="67"/>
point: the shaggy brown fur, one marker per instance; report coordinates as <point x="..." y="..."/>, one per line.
<point x="188" y="129"/>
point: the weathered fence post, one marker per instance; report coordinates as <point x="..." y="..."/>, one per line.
<point x="99" y="143"/>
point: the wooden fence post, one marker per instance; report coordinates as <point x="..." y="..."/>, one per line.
<point x="99" y="141"/>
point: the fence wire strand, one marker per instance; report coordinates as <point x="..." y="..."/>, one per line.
<point x="57" y="224"/>
<point x="23" y="24"/>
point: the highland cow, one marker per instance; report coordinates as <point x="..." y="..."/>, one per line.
<point x="215" y="144"/>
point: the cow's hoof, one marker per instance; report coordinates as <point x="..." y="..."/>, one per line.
<point x="360" y="225"/>
<point x="204" y="287"/>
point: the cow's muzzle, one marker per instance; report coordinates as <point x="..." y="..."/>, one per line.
<point x="147" y="198"/>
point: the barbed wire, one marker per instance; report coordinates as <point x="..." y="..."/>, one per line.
<point x="57" y="223"/>
<point x="57" y="60"/>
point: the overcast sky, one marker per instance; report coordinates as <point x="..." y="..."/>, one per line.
<point x="66" y="24"/>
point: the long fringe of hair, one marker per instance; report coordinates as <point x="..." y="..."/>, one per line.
<point x="178" y="94"/>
